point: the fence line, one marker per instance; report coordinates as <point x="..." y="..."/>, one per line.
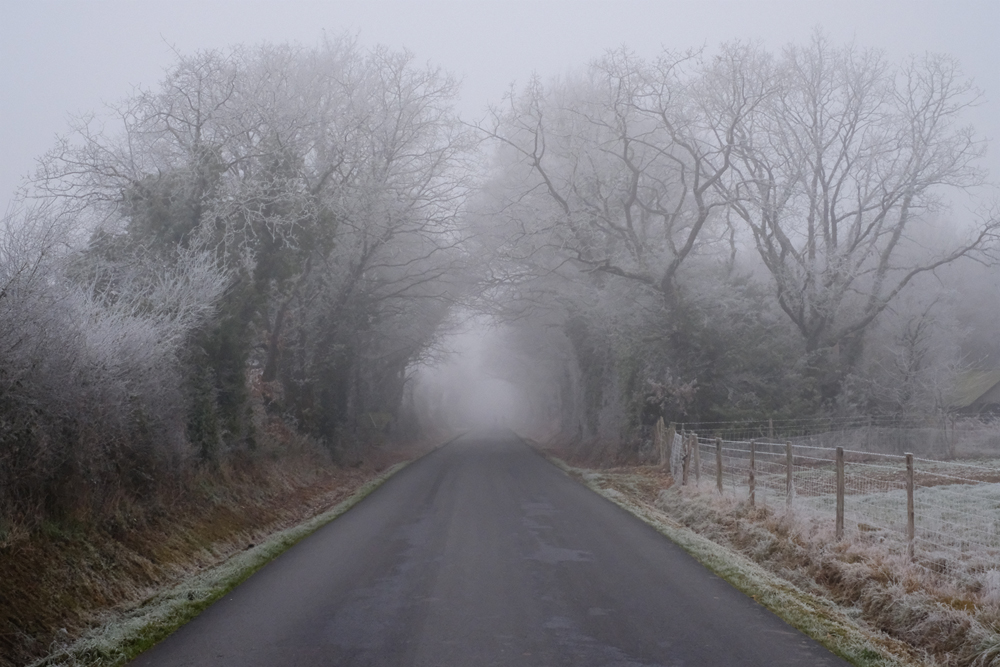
<point x="938" y="436"/>
<point x="943" y="515"/>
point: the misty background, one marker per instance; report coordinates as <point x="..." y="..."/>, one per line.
<point x="240" y="230"/>
<point x="72" y="57"/>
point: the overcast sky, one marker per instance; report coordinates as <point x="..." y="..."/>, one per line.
<point x="71" y="56"/>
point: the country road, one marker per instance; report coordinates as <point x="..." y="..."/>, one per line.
<point x="479" y="554"/>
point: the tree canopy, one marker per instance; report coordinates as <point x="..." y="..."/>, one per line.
<point x="274" y="238"/>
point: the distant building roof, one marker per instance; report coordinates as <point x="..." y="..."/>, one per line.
<point x="975" y="390"/>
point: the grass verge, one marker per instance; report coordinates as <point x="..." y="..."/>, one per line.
<point x="818" y="617"/>
<point x="125" y="634"/>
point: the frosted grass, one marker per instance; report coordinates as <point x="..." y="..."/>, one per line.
<point x="124" y="634"/>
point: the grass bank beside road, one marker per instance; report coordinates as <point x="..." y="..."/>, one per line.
<point x="854" y="598"/>
<point x="79" y="594"/>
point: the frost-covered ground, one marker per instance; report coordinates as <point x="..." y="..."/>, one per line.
<point x="128" y="631"/>
<point x="956" y="503"/>
<point x="859" y="595"/>
<point x="957" y="526"/>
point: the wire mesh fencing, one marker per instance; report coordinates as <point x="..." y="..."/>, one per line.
<point x="937" y="437"/>
<point x="944" y="515"/>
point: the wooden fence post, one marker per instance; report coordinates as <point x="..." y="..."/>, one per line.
<point x="686" y="460"/>
<point x="753" y="473"/>
<point x="840" y="492"/>
<point x="718" y="464"/>
<point x="911" y="524"/>
<point x="789" y="487"/>
<point x="697" y="458"/>
<point x="658" y="444"/>
<point x="671" y="432"/>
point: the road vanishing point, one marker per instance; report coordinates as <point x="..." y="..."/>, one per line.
<point x="479" y="554"/>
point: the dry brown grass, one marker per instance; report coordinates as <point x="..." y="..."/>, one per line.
<point x="58" y="578"/>
<point x="947" y="623"/>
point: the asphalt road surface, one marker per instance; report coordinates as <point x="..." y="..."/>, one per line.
<point x="480" y="554"/>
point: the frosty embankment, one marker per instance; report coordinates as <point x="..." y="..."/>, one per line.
<point x="856" y="596"/>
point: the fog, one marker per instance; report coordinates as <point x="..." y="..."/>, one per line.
<point x="566" y="220"/>
<point x="466" y="388"/>
<point x="65" y="57"/>
<point x="282" y="245"/>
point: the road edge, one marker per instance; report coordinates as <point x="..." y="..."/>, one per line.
<point x="123" y="636"/>
<point x="816" y="617"/>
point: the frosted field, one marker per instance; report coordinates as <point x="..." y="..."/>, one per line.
<point x="957" y="525"/>
<point x="956" y="505"/>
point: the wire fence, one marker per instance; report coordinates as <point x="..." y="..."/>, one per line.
<point x="939" y="437"/>
<point x="944" y="515"/>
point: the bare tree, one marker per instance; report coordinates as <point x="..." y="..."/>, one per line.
<point x="328" y="181"/>
<point x="629" y="157"/>
<point x="838" y="173"/>
<point x="605" y="210"/>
